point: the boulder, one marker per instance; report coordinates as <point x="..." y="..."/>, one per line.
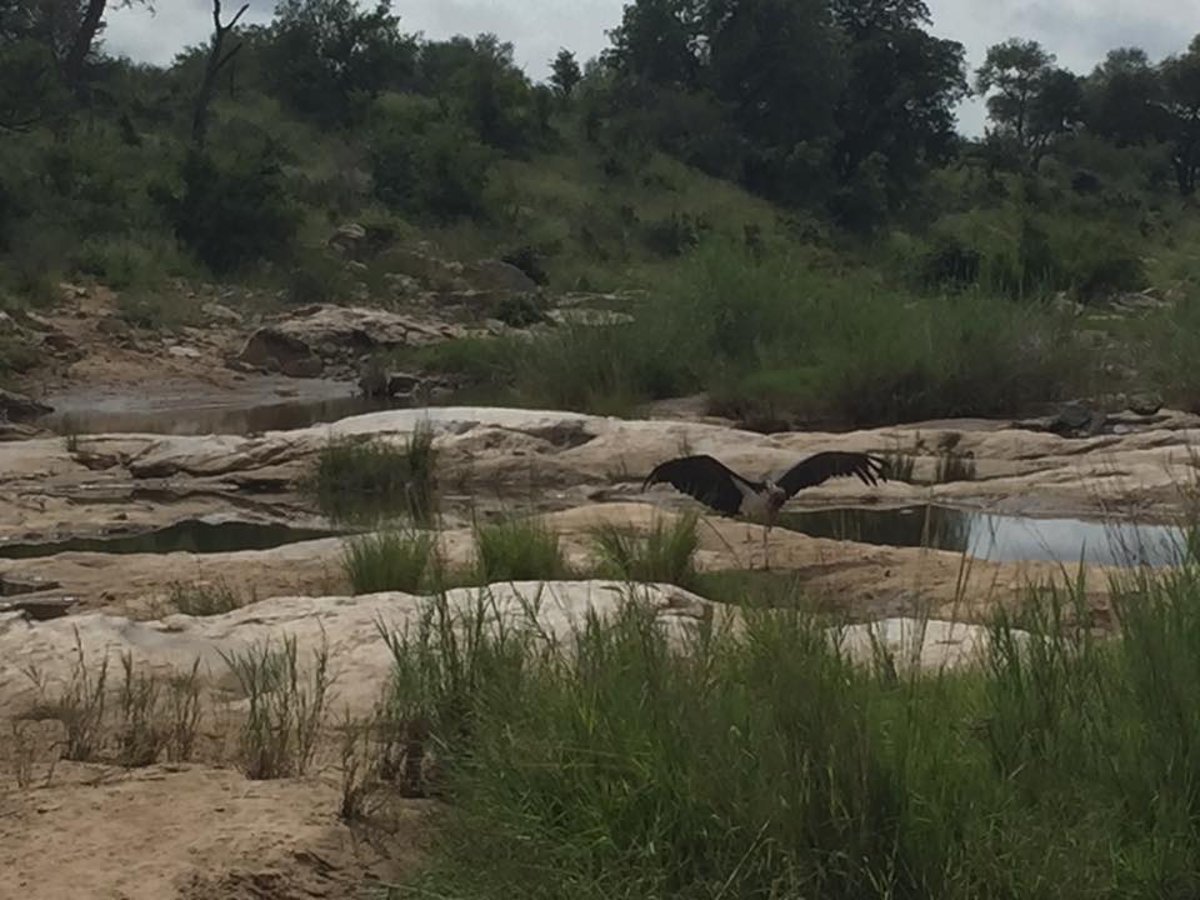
<point x="495" y="275"/>
<point x="1145" y="404"/>
<point x="219" y="312"/>
<point x="402" y="383"/>
<point x="375" y="382"/>
<point x="426" y="269"/>
<point x="16" y="407"/>
<point x="302" y="344"/>
<point x="61" y="344"/>
<point x="348" y="237"/>
<point x="276" y="351"/>
<point x="12" y="432"/>
<point x="402" y="285"/>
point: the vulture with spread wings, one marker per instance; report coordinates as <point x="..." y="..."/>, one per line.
<point x="725" y="491"/>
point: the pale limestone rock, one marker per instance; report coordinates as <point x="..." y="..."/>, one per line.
<point x="361" y="660"/>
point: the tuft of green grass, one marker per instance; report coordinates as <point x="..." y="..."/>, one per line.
<point x="184" y="711"/>
<point x="369" y="481"/>
<point x="141" y="734"/>
<point x="142" y="262"/>
<point x="391" y="560"/>
<point x="204" y="598"/>
<point x="81" y="706"/>
<point x="664" y="554"/>
<point x="286" y="709"/>
<point x="17" y="356"/>
<point x="1167" y="339"/>
<point x="440" y="664"/>
<point x="518" y="549"/>
<point x="153" y="714"/>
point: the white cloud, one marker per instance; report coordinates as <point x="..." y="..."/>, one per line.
<point x="1078" y="32"/>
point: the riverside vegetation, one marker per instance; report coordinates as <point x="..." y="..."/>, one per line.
<point x="858" y="262"/>
<point x="824" y="266"/>
<point x="619" y="763"/>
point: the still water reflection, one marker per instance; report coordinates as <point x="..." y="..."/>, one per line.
<point x="999" y="538"/>
<point x="192" y="536"/>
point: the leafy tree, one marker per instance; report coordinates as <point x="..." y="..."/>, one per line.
<point x="775" y="62"/>
<point x="29" y="84"/>
<point x="218" y="59"/>
<point x="479" y="79"/>
<point x="565" y="74"/>
<point x="1029" y="100"/>
<point x="66" y="28"/>
<point x="425" y="163"/>
<point x="1181" y="105"/>
<point x="662" y="42"/>
<point x="1058" y="109"/>
<point x="897" y="106"/>
<point x="1013" y="70"/>
<point x="236" y="211"/>
<point x="1123" y="98"/>
<point x="326" y="57"/>
<point x="741" y="88"/>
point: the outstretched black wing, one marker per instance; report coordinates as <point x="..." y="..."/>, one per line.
<point x="712" y="483"/>
<point x="832" y="464"/>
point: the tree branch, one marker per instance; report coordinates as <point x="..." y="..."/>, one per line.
<point x="216" y="61"/>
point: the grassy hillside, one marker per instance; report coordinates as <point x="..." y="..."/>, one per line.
<point x="790" y="288"/>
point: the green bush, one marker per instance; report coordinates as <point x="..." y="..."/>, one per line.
<point x="518" y="549"/>
<point x="389" y="561"/>
<point x="1023" y="254"/>
<point x="782" y="333"/>
<point x="951" y="262"/>
<point x="664" y="554"/>
<point x="152" y="310"/>
<point x="316" y="276"/>
<point x="427" y="165"/>
<point x="520" y="310"/>
<point x="122" y="262"/>
<point x="236" y="212"/>
<point x="1099" y="262"/>
<point x="368" y="481"/>
<point x="674" y="235"/>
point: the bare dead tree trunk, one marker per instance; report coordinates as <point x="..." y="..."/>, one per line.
<point x="81" y="44"/>
<point x="216" y="62"/>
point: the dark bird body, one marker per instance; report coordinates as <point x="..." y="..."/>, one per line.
<point x="725" y="491"/>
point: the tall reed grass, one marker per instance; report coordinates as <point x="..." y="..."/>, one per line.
<point x="366" y="482"/>
<point x="763" y="761"/>
<point x="781" y="338"/>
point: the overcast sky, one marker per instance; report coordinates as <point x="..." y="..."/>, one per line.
<point x="1079" y="32"/>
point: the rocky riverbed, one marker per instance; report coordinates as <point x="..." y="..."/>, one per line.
<point x="140" y="462"/>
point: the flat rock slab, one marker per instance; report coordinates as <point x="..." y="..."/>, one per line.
<point x="360" y="659"/>
<point x="553" y="460"/>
